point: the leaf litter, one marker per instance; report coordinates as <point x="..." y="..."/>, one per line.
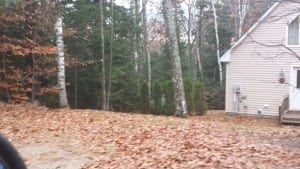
<point x="90" y="139"/>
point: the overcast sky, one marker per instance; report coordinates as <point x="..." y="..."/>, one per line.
<point x="152" y="6"/>
<point x="123" y="3"/>
<point x="151" y="3"/>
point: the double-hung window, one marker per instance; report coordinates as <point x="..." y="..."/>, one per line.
<point x="293" y="33"/>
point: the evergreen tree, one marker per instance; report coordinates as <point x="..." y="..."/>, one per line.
<point x="144" y="99"/>
<point x="199" y="99"/>
<point x="156" y="108"/>
<point x="168" y="103"/>
<point x="189" y="93"/>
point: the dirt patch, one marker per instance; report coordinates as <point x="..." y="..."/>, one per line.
<point x="52" y="156"/>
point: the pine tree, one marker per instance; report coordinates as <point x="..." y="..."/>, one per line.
<point x="189" y="93"/>
<point x="144" y="99"/>
<point x="199" y="99"/>
<point x="156" y="108"/>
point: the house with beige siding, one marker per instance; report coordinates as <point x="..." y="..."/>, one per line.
<point x="263" y="66"/>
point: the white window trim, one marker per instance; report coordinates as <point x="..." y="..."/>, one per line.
<point x="292" y="80"/>
<point x="287" y="35"/>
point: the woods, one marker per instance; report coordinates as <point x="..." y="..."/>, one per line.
<point x="106" y="54"/>
<point x="88" y="84"/>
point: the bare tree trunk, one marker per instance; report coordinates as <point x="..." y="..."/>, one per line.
<point x="218" y="43"/>
<point x="102" y="60"/>
<point x="5" y="78"/>
<point x="199" y="43"/>
<point x="149" y="71"/>
<point x="199" y="60"/>
<point x="76" y="84"/>
<point x="34" y="70"/>
<point x="189" y="44"/>
<point x="171" y="35"/>
<point x="234" y="9"/>
<point x="146" y="46"/>
<point x="137" y="41"/>
<point x="243" y="7"/>
<point x="33" y="83"/>
<point x="241" y="19"/>
<point x="61" y="62"/>
<point x="31" y="31"/>
<point x="111" y="54"/>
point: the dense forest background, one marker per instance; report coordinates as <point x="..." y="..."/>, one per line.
<point x="116" y="56"/>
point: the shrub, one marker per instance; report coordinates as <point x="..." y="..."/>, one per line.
<point x="189" y="93"/>
<point x="168" y="108"/>
<point x="50" y="100"/>
<point x="199" y="99"/>
<point x="156" y="107"/>
<point x="144" y="99"/>
<point x="215" y="98"/>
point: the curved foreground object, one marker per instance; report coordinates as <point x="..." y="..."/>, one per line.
<point x="9" y="157"/>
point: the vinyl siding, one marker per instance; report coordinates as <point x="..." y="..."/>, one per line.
<point x="256" y="67"/>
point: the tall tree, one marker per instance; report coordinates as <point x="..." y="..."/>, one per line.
<point x="243" y="8"/>
<point x="199" y="31"/>
<point x="136" y="39"/>
<point x="190" y="57"/>
<point x="102" y="60"/>
<point x="63" y="101"/>
<point x="110" y="53"/>
<point x="25" y="52"/>
<point x="217" y="42"/>
<point x="179" y="95"/>
<point x="146" y="46"/>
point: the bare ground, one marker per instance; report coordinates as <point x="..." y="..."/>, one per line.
<point x="87" y="139"/>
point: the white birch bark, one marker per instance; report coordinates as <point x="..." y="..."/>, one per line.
<point x="136" y="39"/>
<point x="111" y="54"/>
<point x="147" y="46"/>
<point x="179" y="94"/>
<point x="217" y="43"/>
<point x="63" y="101"/>
<point x="198" y="42"/>
<point x="199" y="60"/>
<point x="102" y="60"/>
<point x="243" y="7"/>
<point x="189" y="43"/>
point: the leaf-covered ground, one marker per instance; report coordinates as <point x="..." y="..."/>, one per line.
<point x="88" y="139"/>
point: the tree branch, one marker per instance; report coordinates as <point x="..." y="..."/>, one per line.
<point x="278" y="45"/>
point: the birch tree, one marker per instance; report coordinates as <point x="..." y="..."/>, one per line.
<point x="136" y="38"/>
<point x="243" y="8"/>
<point x="189" y="39"/>
<point x="217" y="42"/>
<point x="171" y="36"/>
<point x="110" y="54"/>
<point x="102" y="59"/>
<point x="146" y="46"/>
<point x="63" y="101"/>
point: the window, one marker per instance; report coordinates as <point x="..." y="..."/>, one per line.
<point x="293" y="33"/>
